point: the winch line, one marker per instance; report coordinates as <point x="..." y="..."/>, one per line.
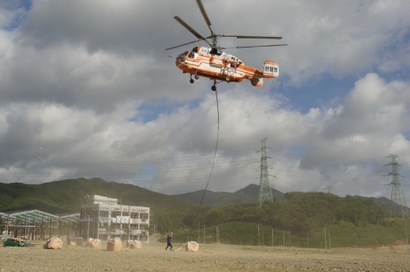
<point x="210" y="174"/>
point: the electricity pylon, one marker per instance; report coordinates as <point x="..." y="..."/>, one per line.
<point x="265" y="193"/>
<point x="328" y="189"/>
<point x="397" y="195"/>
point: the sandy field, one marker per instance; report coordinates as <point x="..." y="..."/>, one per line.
<point x="210" y="257"/>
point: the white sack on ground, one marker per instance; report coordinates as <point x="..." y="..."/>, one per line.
<point x="192" y="246"/>
<point x="114" y="244"/>
<point x="134" y="244"/>
<point x="53" y="243"/>
<point x="93" y="243"/>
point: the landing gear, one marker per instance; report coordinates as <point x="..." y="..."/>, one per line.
<point x="191" y="80"/>
<point x="213" y="88"/>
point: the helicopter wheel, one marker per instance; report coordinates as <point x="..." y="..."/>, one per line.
<point x="213" y="88"/>
<point x="191" y="80"/>
<point x="196" y="77"/>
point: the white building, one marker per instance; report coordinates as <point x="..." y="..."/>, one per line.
<point x="103" y="218"/>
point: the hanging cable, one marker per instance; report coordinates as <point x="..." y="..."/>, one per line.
<point x="213" y="162"/>
<point x="210" y="174"/>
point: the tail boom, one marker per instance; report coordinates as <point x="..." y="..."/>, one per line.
<point x="270" y="70"/>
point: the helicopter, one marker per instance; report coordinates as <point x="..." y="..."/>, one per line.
<point x="213" y="63"/>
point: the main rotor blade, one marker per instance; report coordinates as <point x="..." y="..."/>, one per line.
<point x="208" y="22"/>
<point x="190" y="29"/>
<point x="182" y="44"/>
<point x="252" y="46"/>
<point x="250" y="37"/>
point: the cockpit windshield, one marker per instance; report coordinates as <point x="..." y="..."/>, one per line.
<point x="201" y="50"/>
<point x="181" y="56"/>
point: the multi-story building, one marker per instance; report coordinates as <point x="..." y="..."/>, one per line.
<point x="103" y="218"/>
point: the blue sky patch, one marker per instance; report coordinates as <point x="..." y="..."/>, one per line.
<point x="20" y="8"/>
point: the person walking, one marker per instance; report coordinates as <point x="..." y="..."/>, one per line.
<point x="169" y="241"/>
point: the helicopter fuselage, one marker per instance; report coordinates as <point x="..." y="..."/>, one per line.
<point x="219" y="65"/>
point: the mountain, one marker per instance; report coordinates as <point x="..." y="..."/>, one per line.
<point x="388" y="204"/>
<point x="66" y="196"/>
<point x="248" y="194"/>
<point x="251" y="194"/>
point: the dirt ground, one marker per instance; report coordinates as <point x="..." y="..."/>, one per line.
<point x="210" y="257"/>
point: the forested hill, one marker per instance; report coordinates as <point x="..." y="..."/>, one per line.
<point x="251" y="194"/>
<point x="302" y="212"/>
<point x="293" y="211"/>
<point x="66" y="196"/>
<point x="248" y="194"/>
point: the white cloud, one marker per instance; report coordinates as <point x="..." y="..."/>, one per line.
<point x="371" y="124"/>
<point x="79" y="79"/>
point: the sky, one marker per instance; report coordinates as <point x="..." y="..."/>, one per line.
<point x="88" y="90"/>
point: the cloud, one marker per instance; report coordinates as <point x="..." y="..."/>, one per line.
<point x="87" y="89"/>
<point x="372" y="122"/>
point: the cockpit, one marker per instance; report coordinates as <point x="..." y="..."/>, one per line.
<point x="210" y="53"/>
<point x="187" y="54"/>
<point x="207" y="51"/>
<point x="181" y="56"/>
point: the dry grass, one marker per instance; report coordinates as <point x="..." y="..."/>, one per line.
<point x="210" y="257"/>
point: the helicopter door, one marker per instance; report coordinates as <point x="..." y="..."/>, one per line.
<point x="270" y="69"/>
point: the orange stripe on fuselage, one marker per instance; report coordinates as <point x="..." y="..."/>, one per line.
<point x="193" y="66"/>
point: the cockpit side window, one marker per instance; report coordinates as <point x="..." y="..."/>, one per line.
<point x="191" y="54"/>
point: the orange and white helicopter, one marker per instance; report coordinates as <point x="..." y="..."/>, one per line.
<point x="217" y="65"/>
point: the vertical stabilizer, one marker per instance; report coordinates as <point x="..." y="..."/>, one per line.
<point x="270" y="69"/>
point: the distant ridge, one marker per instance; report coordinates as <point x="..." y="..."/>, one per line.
<point x="387" y="203"/>
<point x="66" y="196"/>
<point x="251" y="194"/>
<point x="248" y="194"/>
